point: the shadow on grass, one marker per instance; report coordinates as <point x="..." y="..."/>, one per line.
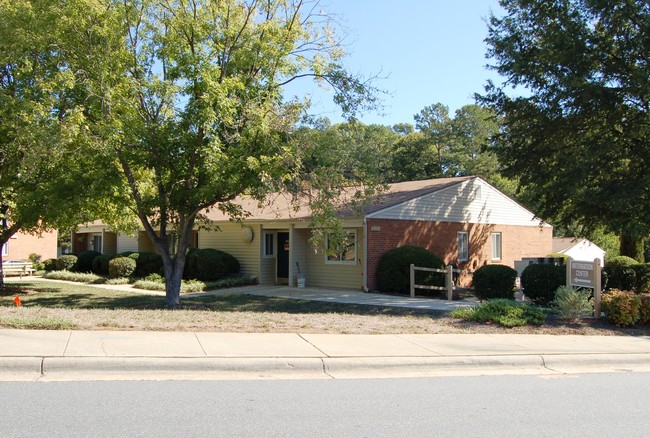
<point x="69" y="296"/>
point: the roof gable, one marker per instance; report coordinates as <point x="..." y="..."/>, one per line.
<point x="471" y="200"/>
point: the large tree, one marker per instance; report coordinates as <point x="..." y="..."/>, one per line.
<point x="41" y="174"/>
<point x="576" y="126"/>
<point x="184" y="102"/>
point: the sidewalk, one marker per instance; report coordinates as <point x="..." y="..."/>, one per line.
<point x="126" y="355"/>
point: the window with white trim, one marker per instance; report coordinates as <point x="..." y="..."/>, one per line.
<point x="5" y="249"/>
<point x="463" y="246"/>
<point x="269" y="245"/>
<point x="496" y="246"/>
<point x="347" y="251"/>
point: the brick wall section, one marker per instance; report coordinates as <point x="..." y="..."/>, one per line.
<point x="441" y="239"/>
<point x="22" y="245"/>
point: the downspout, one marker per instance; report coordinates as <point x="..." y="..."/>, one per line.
<point x="364" y="263"/>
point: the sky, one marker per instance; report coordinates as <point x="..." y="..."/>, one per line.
<point x="429" y="51"/>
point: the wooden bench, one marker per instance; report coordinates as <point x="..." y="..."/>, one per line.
<point x="24" y="268"/>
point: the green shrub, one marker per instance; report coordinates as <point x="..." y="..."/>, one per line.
<point x="100" y="264"/>
<point x="209" y="264"/>
<point x="621" y="307"/>
<point x="644" y="309"/>
<point x="505" y="312"/>
<point x="621" y="261"/>
<point x="66" y="262"/>
<point x="49" y="265"/>
<point x="85" y="261"/>
<point x="571" y="303"/>
<point x="231" y="282"/>
<point x="156" y="278"/>
<point x="393" y="270"/>
<point x="620" y="273"/>
<point x="78" y="277"/>
<point x="121" y="267"/>
<point x="187" y="286"/>
<point x="494" y="281"/>
<point x="642" y="277"/>
<point x="146" y="263"/>
<point x="540" y="281"/>
<point x="37" y="264"/>
<point x="149" y="285"/>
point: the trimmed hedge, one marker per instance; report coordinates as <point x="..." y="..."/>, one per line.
<point x="619" y="273"/>
<point x="494" y="281"/>
<point x="121" y="267"/>
<point x="100" y="264"/>
<point x="66" y="262"/>
<point x="209" y="264"/>
<point x="642" y="277"/>
<point x="393" y="270"/>
<point x="540" y="281"/>
<point x="146" y="263"/>
<point x="49" y="265"/>
<point x="85" y="261"/>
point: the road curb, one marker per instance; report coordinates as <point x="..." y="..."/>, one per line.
<point x="589" y="363"/>
<point x="158" y="368"/>
<point x="20" y="366"/>
<point x="111" y="368"/>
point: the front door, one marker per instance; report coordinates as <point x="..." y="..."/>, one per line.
<point x="283" y="258"/>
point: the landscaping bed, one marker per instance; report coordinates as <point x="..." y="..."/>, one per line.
<point x="61" y="306"/>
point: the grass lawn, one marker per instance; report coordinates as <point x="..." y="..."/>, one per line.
<point x="63" y="306"/>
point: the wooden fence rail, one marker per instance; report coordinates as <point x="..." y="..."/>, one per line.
<point x="449" y="280"/>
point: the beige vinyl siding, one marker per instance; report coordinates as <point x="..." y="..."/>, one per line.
<point x="144" y="243"/>
<point x="229" y="239"/>
<point x="473" y="201"/>
<point x="342" y="276"/>
<point x="126" y="243"/>
<point x="110" y="243"/>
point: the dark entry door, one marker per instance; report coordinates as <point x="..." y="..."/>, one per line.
<point x="283" y="255"/>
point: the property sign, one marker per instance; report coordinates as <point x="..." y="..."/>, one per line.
<point x="582" y="274"/>
<point x="586" y="274"/>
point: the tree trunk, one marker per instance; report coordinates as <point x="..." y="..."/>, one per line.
<point x="2" y="274"/>
<point x="174" y="266"/>
<point x="173" y="279"/>
<point x="632" y="246"/>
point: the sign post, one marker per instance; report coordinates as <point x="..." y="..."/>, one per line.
<point x="586" y="274"/>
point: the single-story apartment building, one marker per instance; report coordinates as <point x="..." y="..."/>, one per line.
<point x="21" y="245"/>
<point x="463" y="220"/>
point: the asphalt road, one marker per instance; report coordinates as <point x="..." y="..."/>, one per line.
<point x="498" y="406"/>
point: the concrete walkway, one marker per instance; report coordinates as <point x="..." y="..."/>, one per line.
<point x="310" y="294"/>
<point x="123" y="355"/>
<point x="345" y="297"/>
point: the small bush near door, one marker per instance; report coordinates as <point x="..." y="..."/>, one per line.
<point x="394" y="269"/>
<point x="66" y="262"/>
<point x="209" y="264"/>
<point x="494" y="281"/>
<point x="121" y="267"/>
<point x="85" y="261"/>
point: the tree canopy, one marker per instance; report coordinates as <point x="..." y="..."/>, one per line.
<point x="40" y="168"/>
<point x="182" y="102"/>
<point x="576" y="128"/>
